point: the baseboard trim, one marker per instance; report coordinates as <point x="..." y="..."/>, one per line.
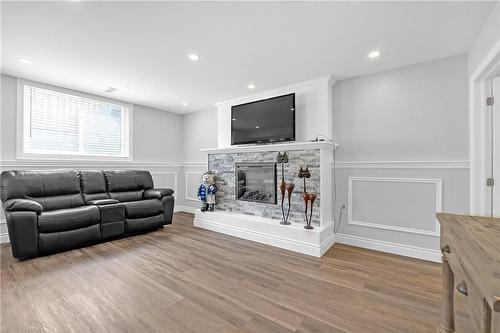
<point x="268" y="238"/>
<point x="4" y="238"/>
<point x="184" y="208"/>
<point x="390" y="247"/>
<point x="327" y="244"/>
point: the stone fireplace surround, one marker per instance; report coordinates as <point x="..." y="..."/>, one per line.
<point x="260" y="222"/>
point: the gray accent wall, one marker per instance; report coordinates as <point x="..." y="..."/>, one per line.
<point x="404" y="154"/>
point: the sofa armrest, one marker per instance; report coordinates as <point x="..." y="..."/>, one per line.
<point x="23" y="233"/>
<point x="103" y="202"/>
<point x="16" y="205"/>
<point x="157" y="193"/>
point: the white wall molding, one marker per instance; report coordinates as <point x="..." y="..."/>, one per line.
<point x="439" y="202"/>
<point x="262" y="230"/>
<point x="184" y="208"/>
<point x="402" y="164"/>
<point x="187" y="173"/>
<point x="176" y="184"/>
<point x="390" y="247"/>
<point x="201" y="164"/>
<point x="39" y="163"/>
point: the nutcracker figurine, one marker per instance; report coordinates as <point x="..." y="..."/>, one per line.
<point x="206" y="191"/>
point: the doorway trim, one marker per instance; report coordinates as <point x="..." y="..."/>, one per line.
<point x="479" y="89"/>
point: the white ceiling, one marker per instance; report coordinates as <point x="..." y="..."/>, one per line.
<point x="90" y="46"/>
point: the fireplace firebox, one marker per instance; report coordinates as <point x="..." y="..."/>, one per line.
<point x="256" y="182"/>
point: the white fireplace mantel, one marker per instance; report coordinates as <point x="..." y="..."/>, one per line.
<point x="269" y="231"/>
<point x="325" y="145"/>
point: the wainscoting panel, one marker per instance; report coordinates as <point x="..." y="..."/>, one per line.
<point x="166" y="179"/>
<point x="189" y="181"/>
<point x="193" y="179"/>
<point x="391" y="206"/>
<point x="399" y="204"/>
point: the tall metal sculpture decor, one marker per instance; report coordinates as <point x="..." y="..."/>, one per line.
<point x="285" y="187"/>
<point x="308" y="197"/>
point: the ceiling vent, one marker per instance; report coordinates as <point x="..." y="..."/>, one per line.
<point x="110" y="90"/>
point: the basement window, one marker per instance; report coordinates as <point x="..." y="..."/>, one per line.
<point x="59" y="123"/>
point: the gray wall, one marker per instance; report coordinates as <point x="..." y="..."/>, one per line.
<point x="157" y="133"/>
<point x="413" y="113"/>
<point x="486" y="39"/>
<point x="199" y="130"/>
<point x="411" y="124"/>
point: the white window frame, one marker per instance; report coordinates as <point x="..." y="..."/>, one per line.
<point x="20" y="151"/>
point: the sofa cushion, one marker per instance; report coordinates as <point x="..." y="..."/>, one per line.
<point x="127" y="196"/>
<point x="63" y="240"/>
<point x="68" y="219"/>
<point x="143" y="208"/>
<point x="127" y="185"/>
<point x="147" y="223"/>
<point x="53" y="189"/>
<point x="93" y="185"/>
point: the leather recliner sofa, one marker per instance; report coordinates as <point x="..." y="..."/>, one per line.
<point x="55" y="210"/>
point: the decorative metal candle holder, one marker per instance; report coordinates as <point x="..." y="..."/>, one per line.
<point x="285" y="187"/>
<point x="308" y="197"/>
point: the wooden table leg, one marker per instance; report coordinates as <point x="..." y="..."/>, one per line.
<point x="447" y="302"/>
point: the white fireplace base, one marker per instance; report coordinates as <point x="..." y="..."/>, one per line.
<point x="267" y="231"/>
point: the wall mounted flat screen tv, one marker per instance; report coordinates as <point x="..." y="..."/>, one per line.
<point x="265" y="121"/>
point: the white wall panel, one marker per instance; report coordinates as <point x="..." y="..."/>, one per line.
<point x="399" y="204"/>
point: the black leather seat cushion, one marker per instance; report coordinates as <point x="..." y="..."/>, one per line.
<point x="140" y="225"/>
<point x="57" y="241"/>
<point x="143" y="208"/>
<point x="68" y="219"/>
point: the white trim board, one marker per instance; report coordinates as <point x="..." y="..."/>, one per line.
<point x="402" y="165"/>
<point x="262" y="230"/>
<point x="390" y="247"/>
<point x="478" y="82"/>
<point x="439" y="202"/>
<point x="184" y="208"/>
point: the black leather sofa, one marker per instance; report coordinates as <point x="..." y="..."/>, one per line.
<point x="55" y="210"/>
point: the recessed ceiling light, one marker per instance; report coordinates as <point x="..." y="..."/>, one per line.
<point x="234" y="119"/>
<point x="184" y="104"/>
<point x="193" y="57"/>
<point x="251" y="86"/>
<point x="374" y="54"/>
<point x="257" y="126"/>
<point x="25" y="60"/>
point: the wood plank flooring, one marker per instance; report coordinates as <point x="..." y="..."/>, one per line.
<point x="185" y="279"/>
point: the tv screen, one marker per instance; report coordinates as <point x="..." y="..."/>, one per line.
<point x="265" y="121"/>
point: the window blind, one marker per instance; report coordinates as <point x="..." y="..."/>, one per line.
<point x="65" y="124"/>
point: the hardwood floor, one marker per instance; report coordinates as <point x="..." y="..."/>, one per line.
<point x="185" y="279"/>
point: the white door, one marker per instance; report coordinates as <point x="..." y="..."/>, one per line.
<point x="495" y="148"/>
